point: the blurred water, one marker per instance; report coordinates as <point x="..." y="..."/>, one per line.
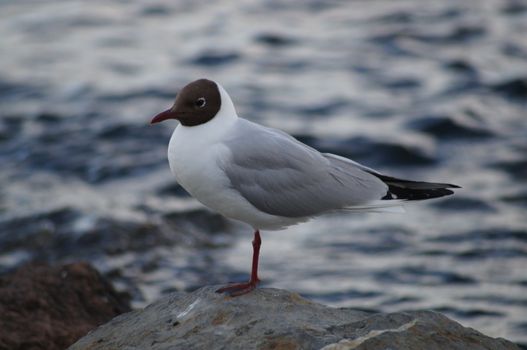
<point x="418" y="89"/>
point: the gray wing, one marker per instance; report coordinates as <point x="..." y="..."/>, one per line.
<point x="281" y="176"/>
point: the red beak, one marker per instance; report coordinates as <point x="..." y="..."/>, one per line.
<point x="168" y="114"/>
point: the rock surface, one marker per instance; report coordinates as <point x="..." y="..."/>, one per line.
<point x="43" y="307"/>
<point x="277" y="319"/>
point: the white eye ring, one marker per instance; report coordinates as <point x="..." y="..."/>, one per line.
<point x="201" y="102"/>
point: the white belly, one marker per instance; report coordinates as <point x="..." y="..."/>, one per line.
<point x="196" y="165"/>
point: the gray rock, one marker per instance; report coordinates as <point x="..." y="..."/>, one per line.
<point x="277" y="319"/>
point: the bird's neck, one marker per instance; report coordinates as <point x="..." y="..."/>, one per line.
<point x="227" y="106"/>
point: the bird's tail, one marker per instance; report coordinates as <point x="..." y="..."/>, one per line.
<point x="380" y="206"/>
<point x="399" y="189"/>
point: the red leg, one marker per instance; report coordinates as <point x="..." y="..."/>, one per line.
<point x="238" y="289"/>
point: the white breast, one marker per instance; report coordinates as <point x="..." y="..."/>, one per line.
<point x="195" y="165"/>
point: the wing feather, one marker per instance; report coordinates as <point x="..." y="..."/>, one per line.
<point x="281" y="176"/>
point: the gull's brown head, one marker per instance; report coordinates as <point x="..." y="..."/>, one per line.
<point x="196" y="104"/>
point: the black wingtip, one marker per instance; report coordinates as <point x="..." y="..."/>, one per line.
<point x="396" y="192"/>
<point x="414" y="190"/>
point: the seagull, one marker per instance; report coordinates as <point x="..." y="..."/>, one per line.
<point x="265" y="177"/>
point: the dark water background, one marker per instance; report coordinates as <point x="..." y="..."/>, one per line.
<point x="433" y="90"/>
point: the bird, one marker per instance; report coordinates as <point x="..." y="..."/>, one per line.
<point x="265" y="177"/>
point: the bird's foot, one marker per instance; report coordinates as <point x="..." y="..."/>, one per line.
<point x="237" y="289"/>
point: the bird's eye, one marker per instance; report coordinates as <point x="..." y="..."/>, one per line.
<point x="200" y="102"/>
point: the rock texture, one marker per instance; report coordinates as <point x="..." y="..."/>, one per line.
<point x="43" y="307"/>
<point x="277" y="319"/>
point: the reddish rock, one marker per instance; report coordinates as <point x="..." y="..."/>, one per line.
<point x="43" y="307"/>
